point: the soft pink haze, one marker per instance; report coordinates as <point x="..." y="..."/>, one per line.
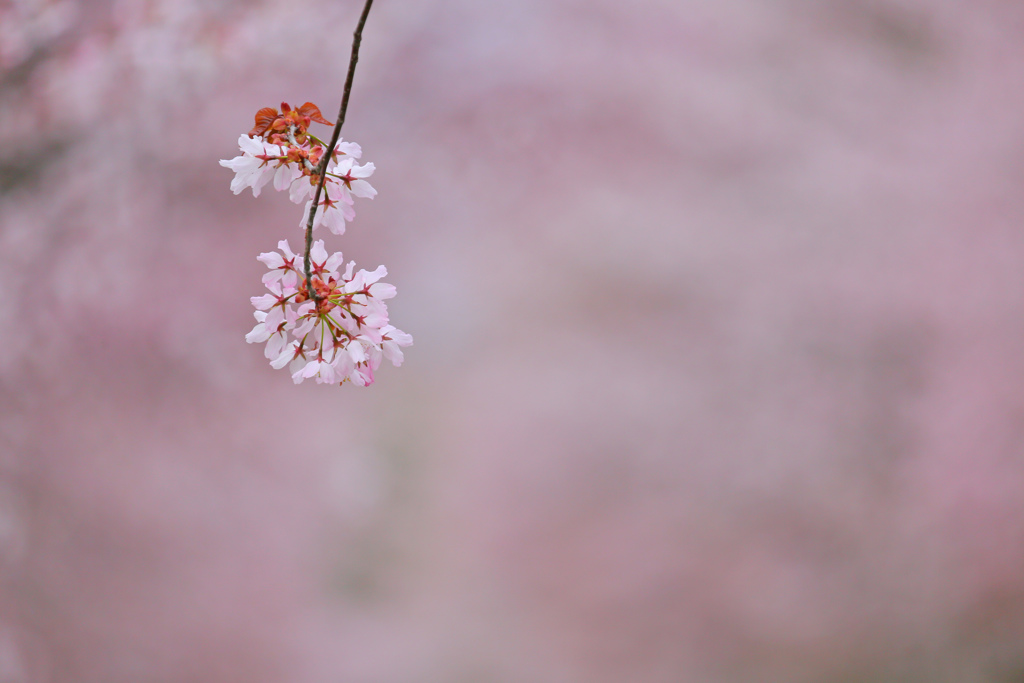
<point x="718" y="373"/>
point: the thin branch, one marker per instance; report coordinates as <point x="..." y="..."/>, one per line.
<point x="357" y="38"/>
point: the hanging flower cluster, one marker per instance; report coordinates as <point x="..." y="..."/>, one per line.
<point x="281" y="149"/>
<point x="325" y="324"/>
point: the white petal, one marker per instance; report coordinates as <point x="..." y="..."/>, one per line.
<point x="305" y="215"/>
<point x="361" y="188"/>
<point x="351" y="149"/>
<point x="393" y="353"/>
<point x="275" y="316"/>
<point x="238" y="184"/>
<point x="369" y="277"/>
<point x="343" y="166"/>
<point x="371" y="335"/>
<point x="342" y="363"/>
<point x="364" y="171"/>
<point x="318" y="253"/>
<point x="286" y="250"/>
<point x="356" y="352"/>
<point x="275" y="346"/>
<point x="327" y="375"/>
<point x="382" y="290"/>
<point x="375" y="356"/>
<point x="272" y="276"/>
<point x="258" y="334"/>
<point x="271" y="259"/>
<point x="312" y="368"/>
<point x="284" y="358"/>
<point x="263" y="302"/>
<point x="362" y="376"/>
<point x="335" y="220"/>
<point x="300" y="190"/>
<point x="283" y="177"/>
<point x="334" y="261"/>
<point x="251" y="145"/>
<point x="399" y="337"/>
<point x="303" y="327"/>
<point x="375" y="319"/>
<point x="289" y="282"/>
<point x="265" y="175"/>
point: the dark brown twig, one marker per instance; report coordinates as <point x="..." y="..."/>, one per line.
<point x="357" y="38"/>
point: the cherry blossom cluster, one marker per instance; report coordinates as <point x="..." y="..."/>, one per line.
<point x="280" y="149"/>
<point x="322" y="322"/>
<point x="343" y="335"/>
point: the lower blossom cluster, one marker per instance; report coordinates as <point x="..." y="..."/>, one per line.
<point x="342" y="334"/>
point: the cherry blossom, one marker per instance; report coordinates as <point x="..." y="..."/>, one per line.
<point x="341" y="337"/>
<point x="351" y="177"/>
<point x="253" y="168"/>
<point x="280" y="149"/>
<point x="345" y="180"/>
<point x="334" y="210"/>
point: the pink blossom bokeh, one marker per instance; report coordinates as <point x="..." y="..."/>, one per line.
<point x="719" y="318"/>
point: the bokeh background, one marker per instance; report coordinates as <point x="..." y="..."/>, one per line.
<point x="719" y="321"/>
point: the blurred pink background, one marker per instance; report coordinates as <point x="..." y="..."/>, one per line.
<point x="718" y="374"/>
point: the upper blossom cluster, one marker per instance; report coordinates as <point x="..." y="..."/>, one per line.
<point x="281" y="150"/>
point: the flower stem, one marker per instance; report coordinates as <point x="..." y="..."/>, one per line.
<point x="357" y="38"/>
